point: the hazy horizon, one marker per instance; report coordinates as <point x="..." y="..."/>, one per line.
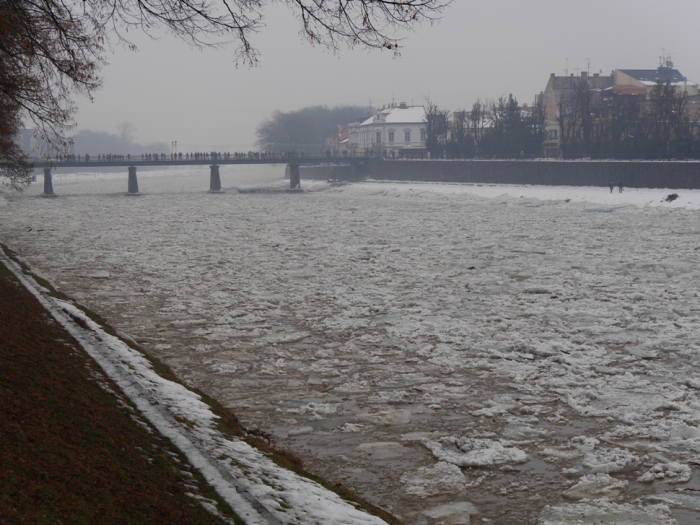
<point x="198" y="98"/>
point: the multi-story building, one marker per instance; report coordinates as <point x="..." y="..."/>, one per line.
<point x="396" y="130"/>
<point x="564" y="87"/>
<point x="642" y="81"/>
<point x="560" y="92"/>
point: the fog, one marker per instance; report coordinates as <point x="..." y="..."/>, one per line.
<point x="199" y="98"/>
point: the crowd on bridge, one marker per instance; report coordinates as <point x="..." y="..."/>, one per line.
<point x="181" y="157"/>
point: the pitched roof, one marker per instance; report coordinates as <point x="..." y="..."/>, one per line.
<point x="663" y="74"/>
<point x="398" y="115"/>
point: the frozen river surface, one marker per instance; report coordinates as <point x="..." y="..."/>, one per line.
<point x="454" y="353"/>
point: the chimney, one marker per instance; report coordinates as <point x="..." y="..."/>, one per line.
<point x="584" y="75"/>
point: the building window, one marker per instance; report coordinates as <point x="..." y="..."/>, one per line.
<point x="407" y="135"/>
<point x="391" y="135"/>
<point x="379" y="137"/>
<point x="553" y="134"/>
<point x="423" y="135"/>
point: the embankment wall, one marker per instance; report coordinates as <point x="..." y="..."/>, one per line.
<point x="633" y="174"/>
<point x="341" y="172"/>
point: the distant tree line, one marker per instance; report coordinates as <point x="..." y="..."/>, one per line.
<point x="51" y="49"/>
<point x="661" y="125"/>
<point x="501" y="129"/>
<point x="588" y="123"/>
<point x="121" y="143"/>
<point x="306" y="129"/>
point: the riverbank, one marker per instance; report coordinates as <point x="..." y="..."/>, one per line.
<point x="379" y="330"/>
<point x="543" y="172"/>
<point x="75" y="450"/>
<point x="78" y="448"/>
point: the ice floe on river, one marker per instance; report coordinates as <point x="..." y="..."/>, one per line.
<point x="476" y="350"/>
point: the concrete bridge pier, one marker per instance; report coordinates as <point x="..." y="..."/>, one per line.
<point x="48" y="184"/>
<point x="294" y="179"/>
<point x="214" y="179"/>
<point x="133" y="182"/>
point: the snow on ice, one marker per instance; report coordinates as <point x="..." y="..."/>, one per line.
<point x="448" y="351"/>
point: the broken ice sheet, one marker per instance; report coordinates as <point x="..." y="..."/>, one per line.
<point x="596" y="486"/>
<point x="682" y="500"/>
<point x="672" y="472"/>
<point x="441" y="308"/>
<point x="602" y="512"/>
<point x="441" y="478"/>
<point x="608" y="460"/>
<point x="316" y="409"/>
<point x="520" y="431"/>
<point x="458" y="513"/>
<point x="468" y="452"/>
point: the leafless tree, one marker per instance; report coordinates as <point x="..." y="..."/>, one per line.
<point x="563" y="117"/>
<point x="127" y="134"/>
<point x="477" y="121"/>
<point x="437" y="130"/>
<point x="14" y="168"/>
<point x="536" y="122"/>
<point x="461" y="142"/>
<point x="306" y="128"/>
<point x="47" y="53"/>
<point x="52" y="49"/>
<point x="583" y="114"/>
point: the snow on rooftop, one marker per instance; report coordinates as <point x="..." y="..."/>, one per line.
<point x="398" y="115"/>
<point x="680" y="83"/>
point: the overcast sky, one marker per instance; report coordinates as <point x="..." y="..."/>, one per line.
<point x="480" y="49"/>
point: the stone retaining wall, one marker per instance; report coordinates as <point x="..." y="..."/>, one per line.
<point x="634" y="174"/>
<point x="345" y="172"/>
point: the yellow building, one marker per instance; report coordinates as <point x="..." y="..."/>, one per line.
<point x="560" y="90"/>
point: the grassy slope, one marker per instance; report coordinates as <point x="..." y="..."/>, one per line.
<point x="70" y="451"/>
<point x="64" y="344"/>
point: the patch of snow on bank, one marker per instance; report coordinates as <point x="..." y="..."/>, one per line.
<point x="396" y="312"/>
<point x="288" y="496"/>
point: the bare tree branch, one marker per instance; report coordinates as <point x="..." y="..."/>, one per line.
<point x="52" y="49"/>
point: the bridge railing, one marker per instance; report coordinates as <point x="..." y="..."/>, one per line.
<point x="200" y="157"/>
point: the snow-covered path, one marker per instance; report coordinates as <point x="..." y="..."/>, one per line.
<point x="445" y="350"/>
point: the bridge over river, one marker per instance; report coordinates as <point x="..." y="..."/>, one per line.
<point x="292" y="163"/>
